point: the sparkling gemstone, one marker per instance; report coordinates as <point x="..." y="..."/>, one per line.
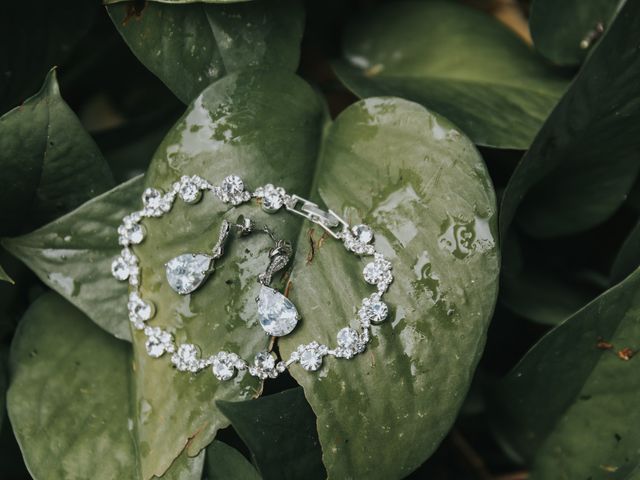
<point x="377" y="271"/>
<point x="363" y="233"/>
<point x="222" y="366"/>
<point x="186" y="272"/>
<point x="158" y="342"/>
<point x="373" y="310"/>
<point x="186" y="358"/>
<point x="189" y="191"/>
<point x="120" y="269"/>
<point x="348" y="338"/>
<point x="139" y="309"/>
<point x="272" y="198"/>
<point x="264" y="361"/>
<point x="156" y="204"/>
<point x="232" y="190"/>
<point x="131" y="232"/>
<point x="311" y="359"/>
<point x="277" y="314"/>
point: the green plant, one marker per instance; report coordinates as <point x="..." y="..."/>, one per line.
<point x="409" y="115"/>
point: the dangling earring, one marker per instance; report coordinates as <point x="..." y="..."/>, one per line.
<point x="186" y="272"/>
<point x="277" y="314"/>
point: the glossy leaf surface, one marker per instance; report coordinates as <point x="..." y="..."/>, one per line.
<point x="71" y="380"/>
<point x="73" y="255"/>
<point x="434" y="217"/>
<point x="628" y="258"/>
<point x="280" y="431"/>
<point x="560" y="28"/>
<point x="50" y="165"/>
<point x="584" y="161"/>
<point x="189" y="46"/>
<point x="569" y="405"/>
<point x="456" y="61"/>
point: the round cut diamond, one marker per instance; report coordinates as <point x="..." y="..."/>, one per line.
<point x="277" y="314"/>
<point x="189" y="191"/>
<point x="311" y="359"/>
<point x="186" y="272"/>
<point x="373" y="310"/>
<point x="272" y="198"/>
<point x="348" y="338"/>
<point x="155" y="203"/>
<point x="131" y="233"/>
<point x="139" y="310"/>
<point x="363" y="233"/>
<point x="223" y="366"/>
<point x="264" y="361"/>
<point x="186" y="358"/>
<point x="158" y="342"/>
<point x="120" y="269"/>
<point x="377" y="271"/>
<point x="232" y="190"/>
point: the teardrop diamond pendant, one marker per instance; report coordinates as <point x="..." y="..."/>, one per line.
<point x="186" y="272"/>
<point x="277" y="314"/>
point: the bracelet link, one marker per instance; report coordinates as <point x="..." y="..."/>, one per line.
<point x="327" y="219"/>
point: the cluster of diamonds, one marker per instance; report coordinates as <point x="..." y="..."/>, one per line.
<point x="187" y="357"/>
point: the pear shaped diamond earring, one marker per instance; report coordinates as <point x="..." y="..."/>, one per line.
<point x="186" y="272"/>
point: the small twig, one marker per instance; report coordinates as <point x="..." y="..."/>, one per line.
<point x="472" y="457"/>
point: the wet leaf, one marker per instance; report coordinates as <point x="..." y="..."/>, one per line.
<point x="190" y="46"/>
<point x="73" y="256"/>
<point x="456" y="61"/>
<point x="628" y="257"/>
<point x="50" y="164"/>
<point x="280" y="431"/>
<point x="266" y="126"/>
<point x="424" y="189"/>
<point x="560" y="28"/>
<point x="568" y="407"/>
<point x="584" y="161"/>
<point x="71" y="380"/>
<point x="226" y="463"/>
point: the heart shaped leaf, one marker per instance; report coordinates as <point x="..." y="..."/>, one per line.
<point x="280" y="431"/>
<point x="71" y="380"/>
<point x="584" y="161"/>
<point x="565" y="31"/>
<point x="569" y="406"/>
<point x="73" y="256"/>
<point x="456" y="61"/>
<point x="50" y="164"/>
<point x="190" y="45"/>
<point x="422" y="186"/>
<point x="226" y="463"/>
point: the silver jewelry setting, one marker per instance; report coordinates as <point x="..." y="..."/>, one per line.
<point x="271" y="304"/>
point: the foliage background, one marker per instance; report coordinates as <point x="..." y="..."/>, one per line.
<point x="556" y="389"/>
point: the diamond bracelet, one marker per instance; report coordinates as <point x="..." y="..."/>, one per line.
<point x="276" y="312"/>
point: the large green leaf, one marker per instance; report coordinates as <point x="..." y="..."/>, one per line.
<point x="189" y="46"/>
<point x="226" y="463"/>
<point x="49" y="163"/>
<point x="70" y="398"/>
<point x="559" y="28"/>
<point x="569" y="407"/>
<point x="423" y="187"/>
<point x="284" y="420"/>
<point x="73" y="256"/>
<point x="584" y="161"/>
<point x="628" y="258"/>
<point x="457" y="61"/>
